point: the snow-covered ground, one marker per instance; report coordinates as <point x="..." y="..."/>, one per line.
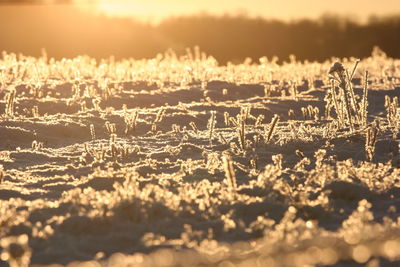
<point x="177" y="161"/>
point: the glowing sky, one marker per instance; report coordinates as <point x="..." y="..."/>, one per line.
<point x="282" y="9"/>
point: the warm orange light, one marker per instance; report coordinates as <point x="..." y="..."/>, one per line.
<point x="289" y="9"/>
<point x="123" y="8"/>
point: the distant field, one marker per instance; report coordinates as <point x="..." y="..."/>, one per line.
<point x="180" y="161"/>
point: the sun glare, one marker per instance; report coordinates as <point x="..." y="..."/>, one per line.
<point x="121" y="8"/>
<point x="286" y="10"/>
<point x="154" y="10"/>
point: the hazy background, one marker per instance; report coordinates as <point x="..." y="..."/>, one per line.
<point x="277" y="9"/>
<point x="229" y="30"/>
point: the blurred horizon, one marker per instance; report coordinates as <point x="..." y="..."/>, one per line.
<point x="156" y="11"/>
<point x="64" y="29"/>
<point x="286" y="10"/>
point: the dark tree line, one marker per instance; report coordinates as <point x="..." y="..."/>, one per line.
<point x="230" y="38"/>
<point x="66" y="32"/>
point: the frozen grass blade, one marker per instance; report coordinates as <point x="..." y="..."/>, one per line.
<point x="272" y="127"/>
<point x="229" y="172"/>
<point x="364" y="105"/>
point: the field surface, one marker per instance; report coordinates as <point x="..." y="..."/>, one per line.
<point x="178" y="161"/>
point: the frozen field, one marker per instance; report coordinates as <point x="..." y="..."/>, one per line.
<point x="177" y="161"/>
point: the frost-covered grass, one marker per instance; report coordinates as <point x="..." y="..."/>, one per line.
<point x="177" y="161"/>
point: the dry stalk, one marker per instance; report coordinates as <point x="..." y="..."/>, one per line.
<point x="241" y="132"/>
<point x="113" y="146"/>
<point x="226" y="119"/>
<point x="35" y="112"/>
<point x="92" y="132"/>
<point x="158" y="119"/>
<point x="223" y="139"/>
<point x="10" y="103"/>
<point x="336" y="104"/>
<point x="365" y="101"/>
<point x="370" y="142"/>
<point x="130" y="122"/>
<point x="211" y="125"/>
<point x="392" y="110"/>
<point x="349" y="108"/>
<point x="350" y="89"/>
<point x="1" y="173"/>
<point x="272" y="127"/>
<point x="346" y="99"/>
<point x="229" y="172"/>
<point x="160" y="115"/>
<point x="110" y="127"/>
<point x="194" y="127"/>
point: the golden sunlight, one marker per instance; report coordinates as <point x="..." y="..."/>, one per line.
<point x="164" y="133"/>
<point x="286" y="10"/>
